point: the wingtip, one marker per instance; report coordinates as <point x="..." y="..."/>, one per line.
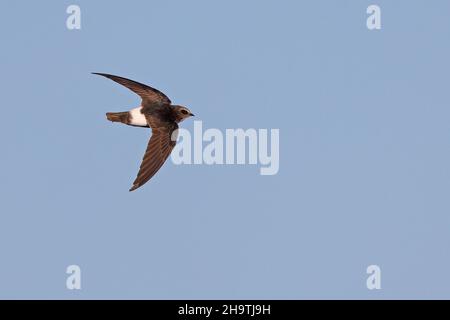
<point x="134" y="187"/>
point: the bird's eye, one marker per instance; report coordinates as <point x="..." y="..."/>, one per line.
<point x="184" y="112"/>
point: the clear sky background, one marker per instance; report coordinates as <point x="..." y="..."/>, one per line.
<point x="364" y="150"/>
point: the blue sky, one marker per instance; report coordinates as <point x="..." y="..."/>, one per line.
<point x="364" y="150"/>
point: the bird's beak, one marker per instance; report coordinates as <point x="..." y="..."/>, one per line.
<point x="192" y="115"/>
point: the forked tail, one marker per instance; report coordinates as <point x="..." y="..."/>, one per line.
<point x="123" y="117"/>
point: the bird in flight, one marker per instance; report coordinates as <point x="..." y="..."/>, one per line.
<point x="157" y="112"/>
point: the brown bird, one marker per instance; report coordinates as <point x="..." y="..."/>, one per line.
<point x="157" y="112"/>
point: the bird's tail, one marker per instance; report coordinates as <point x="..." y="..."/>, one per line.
<point x="123" y="117"/>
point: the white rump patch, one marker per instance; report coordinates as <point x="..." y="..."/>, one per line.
<point x="137" y="118"/>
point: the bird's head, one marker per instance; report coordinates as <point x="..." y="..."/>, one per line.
<point x="182" y="113"/>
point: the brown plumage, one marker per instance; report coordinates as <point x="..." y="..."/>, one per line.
<point x="157" y="112"/>
<point x="123" y="117"/>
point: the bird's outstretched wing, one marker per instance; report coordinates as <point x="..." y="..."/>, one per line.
<point x="158" y="150"/>
<point x="148" y="94"/>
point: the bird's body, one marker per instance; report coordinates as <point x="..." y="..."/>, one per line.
<point x="137" y="117"/>
<point x="156" y="111"/>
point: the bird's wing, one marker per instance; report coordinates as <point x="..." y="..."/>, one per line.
<point x="158" y="150"/>
<point x="148" y="94"/>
